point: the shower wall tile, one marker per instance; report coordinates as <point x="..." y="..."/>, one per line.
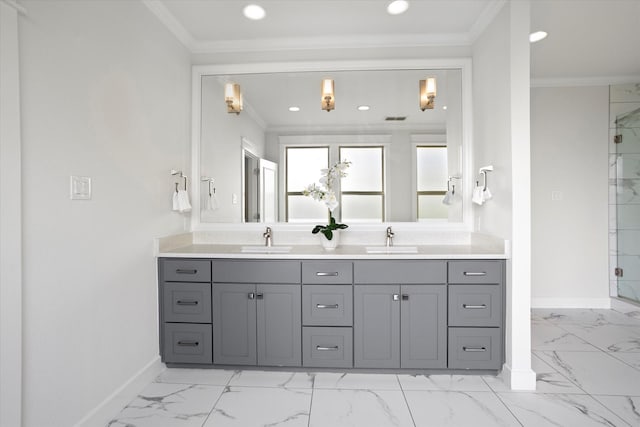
<point x="630" y="166"/>
<point x="613" y="288"/>
<point x="630" y="265"/>
<point x="613" y="242"/>
<point x="628" y="242"/>
<point x="629" y="289"/>
<point x="629" y="217"/>
<point x="629" y="92"/>
<point x="627" y="115"/>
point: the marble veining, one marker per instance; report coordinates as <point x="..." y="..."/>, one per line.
<point x="587" y="374"/>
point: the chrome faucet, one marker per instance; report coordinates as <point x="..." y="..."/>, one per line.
<point x="267" y="237"/>
<point x="390" y="235"/>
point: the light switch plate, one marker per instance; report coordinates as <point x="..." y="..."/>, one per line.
<point x="80" y="187"/>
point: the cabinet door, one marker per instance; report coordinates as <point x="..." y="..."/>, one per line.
<point x="423" y="334"/>
<point x="376" y="326"/>
<point x="234" y="324"/>
<point x="279" y="310"/>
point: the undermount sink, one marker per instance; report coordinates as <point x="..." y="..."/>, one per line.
<point x="266" y="249"/>
<point x="392" y="250"/>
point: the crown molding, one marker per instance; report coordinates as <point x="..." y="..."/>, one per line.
<point x="583" y="81"/>
<point x="485" y="18"/>
<point x="168" y="20"/>
<point x="332" y="42"/>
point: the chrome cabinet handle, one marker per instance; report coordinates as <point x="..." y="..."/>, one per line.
<point x="185" y="271"/>
<point x="326" y="273"/>
<point x="260" y="296"/>
<point x="188" y="343"/>
<point x="395" y="297"/>
<point x="474" y="307"/>
<point x="323" y="348"/>
<point x="326" y="305"/>
<point x="251" y="295"/>
<point x="187" y="302"/>
<point x="475" y="273"/>
<point x="405" y="297"/>
<point x="474" y="349"/>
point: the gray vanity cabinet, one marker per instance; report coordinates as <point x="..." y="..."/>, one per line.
<point x="257" y="323"/>
<point x="400" y="325"/>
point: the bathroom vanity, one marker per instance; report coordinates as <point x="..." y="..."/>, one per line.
<point x="347" y="310"/>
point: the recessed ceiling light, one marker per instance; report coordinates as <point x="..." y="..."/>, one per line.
<point x="294" y="109"/>
<point x="254" y="12"/>
<point x="537" y="36"/>
<point x="444" y="107"/>
<point x="363" y="108"/>
<point x="397" y="7"/>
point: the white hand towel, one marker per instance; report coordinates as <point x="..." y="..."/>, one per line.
<point x="486" y="194"/>
<point x="211" y="201"/>
<point x="176" y="203"/>
<point x="448" y="198"/>
<point x="477" y="196"/>
<point x="183" y="201"/>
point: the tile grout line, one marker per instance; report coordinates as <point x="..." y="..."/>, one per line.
<point x="406" y="402"/>
<point x="224" y="389"/>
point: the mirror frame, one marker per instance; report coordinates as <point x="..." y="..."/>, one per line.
<point x="464" y="64"/>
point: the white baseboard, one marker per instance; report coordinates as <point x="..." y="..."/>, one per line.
<point x="113" y="404"/>
<point x="519" y="379"/>
<point x="604" y="303"/>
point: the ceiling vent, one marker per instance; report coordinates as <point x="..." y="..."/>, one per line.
<point x="395" y="118"/>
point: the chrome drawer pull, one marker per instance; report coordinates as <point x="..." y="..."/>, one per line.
<point x="475" y="273"/>
<point x="188" y="343"/>
<point x="474" y="349"/>
<point x="474" y="307"/>
<point x="184" y="271"/>
<point x="187" y="302"/>
<point x="322" y="348"/>
<point x="326" y="305"/>
<point x="326" y="273"/>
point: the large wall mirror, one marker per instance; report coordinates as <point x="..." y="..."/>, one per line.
<point x="252" y="165"/>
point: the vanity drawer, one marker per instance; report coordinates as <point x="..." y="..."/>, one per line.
<point x="187" y="302"/>
<point x="185" y="270"/>
<point x="330" y="272"/>
<point x="481" y="271"/>
<point x="256" y="271"/>
<point x="327" y="347"/>
<point x="475" y="305"/>
<point x="187" y="343"/>
<point x="327" y="305"/>
<point x="475" y="348"/>
<point x="400" y="272"/>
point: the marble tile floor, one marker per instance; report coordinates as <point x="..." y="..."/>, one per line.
<point x="588" y="374"/>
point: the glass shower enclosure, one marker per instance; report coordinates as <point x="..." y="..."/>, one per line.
<point x="625" y="190"/>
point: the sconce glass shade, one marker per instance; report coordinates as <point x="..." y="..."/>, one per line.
<point x="328" y="100"/>
<point x="233" y="98"/>
<point x="427" y="93"/>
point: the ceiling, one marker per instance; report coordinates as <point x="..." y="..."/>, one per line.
<point x="587" y="38"/>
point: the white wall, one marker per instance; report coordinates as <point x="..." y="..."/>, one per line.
<point x="569" y="152"/>
<point x="105" y="94"/>
<point x="501" y="139"/>
<point x="10" y="222"/>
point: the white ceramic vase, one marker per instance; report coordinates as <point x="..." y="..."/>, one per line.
<point x="330" y="245"/>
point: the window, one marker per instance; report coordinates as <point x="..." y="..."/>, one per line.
<point x="362" y="190"/>
<point x="431" y="171"/>
<point x="303" y="168"/>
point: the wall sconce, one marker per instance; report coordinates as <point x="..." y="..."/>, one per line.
<point x="427" y="93"/>
<point x="328" y="101"/>
<point x="233" y="98"/>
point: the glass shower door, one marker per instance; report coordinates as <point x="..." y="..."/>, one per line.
<point x="627" y="201"/>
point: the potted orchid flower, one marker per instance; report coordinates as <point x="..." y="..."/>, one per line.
<point x="325" y="193"/>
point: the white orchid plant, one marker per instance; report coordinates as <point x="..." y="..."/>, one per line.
<point x="325" y="193"/>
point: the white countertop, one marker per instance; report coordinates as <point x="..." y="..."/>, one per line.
<point x="470" y="251"/>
